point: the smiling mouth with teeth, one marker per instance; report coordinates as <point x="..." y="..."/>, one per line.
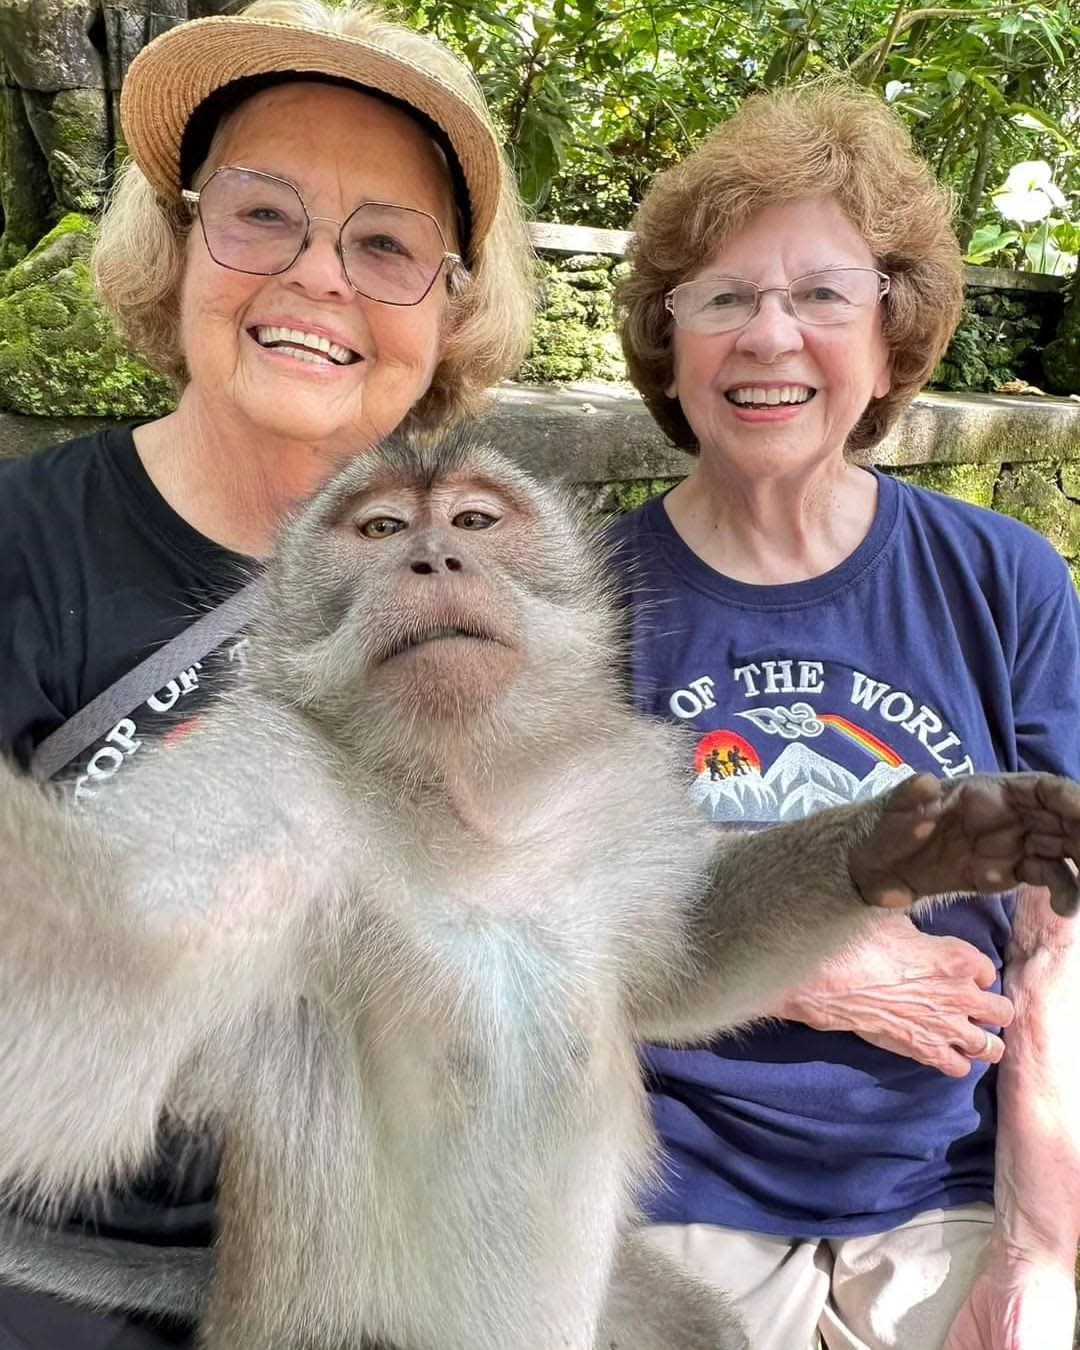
<point x="753" y="396"/>
<point x="304" y="346"/>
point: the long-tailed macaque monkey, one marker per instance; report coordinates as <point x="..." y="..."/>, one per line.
<point x="391" y="922"/>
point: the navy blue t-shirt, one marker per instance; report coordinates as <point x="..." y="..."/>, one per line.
<point x="949" y="641"/>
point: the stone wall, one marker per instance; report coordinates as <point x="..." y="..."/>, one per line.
<point x="61" y="66"/>
<point x="1017" y="455"/>
<point x="1009" y="319"/>
<point x="60" y="361"/>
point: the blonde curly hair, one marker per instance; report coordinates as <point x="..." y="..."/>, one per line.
<point x="824" y="139"/>
<point x="138" y="260"/>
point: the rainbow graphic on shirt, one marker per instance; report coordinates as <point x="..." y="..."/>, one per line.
<point x="862" y="738"/>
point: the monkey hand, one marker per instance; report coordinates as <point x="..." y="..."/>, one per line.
<point x="980" y="834"/>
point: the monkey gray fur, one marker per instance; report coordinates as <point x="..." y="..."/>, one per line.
<point x="390" y="924"/>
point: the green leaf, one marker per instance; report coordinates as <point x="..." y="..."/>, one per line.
<point x="1035" y="119"/>
<point x="1067" y="236"/>
<point x="987" y="241"/>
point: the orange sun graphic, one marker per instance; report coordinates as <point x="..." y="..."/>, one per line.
<point x="723" y="742"/>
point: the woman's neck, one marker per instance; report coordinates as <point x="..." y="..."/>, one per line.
<point x="777" y="530"/>
<point x="232" y="483"/>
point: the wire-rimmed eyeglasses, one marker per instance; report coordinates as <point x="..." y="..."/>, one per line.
<point x="723" y="304"/>
<point x="258" y="223"/>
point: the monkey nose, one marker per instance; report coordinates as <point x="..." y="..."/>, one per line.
<point x="435" y="563"/>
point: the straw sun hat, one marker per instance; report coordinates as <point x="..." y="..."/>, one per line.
<point x="179" y="71"/>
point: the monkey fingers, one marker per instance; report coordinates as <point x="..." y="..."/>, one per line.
<point x="1040" y="841"/>
<point x="983" y="834"/>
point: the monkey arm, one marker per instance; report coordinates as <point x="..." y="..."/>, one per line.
<point x="101" y="1001"/>
<point x="781" y="900"/>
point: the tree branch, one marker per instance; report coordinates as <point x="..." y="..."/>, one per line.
<point x="916" y="16"/>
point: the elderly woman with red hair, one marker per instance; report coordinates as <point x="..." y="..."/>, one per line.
<point x="862" y="1170"/>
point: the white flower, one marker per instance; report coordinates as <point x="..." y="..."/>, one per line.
<point x="894" y="89"/>
<point x="1029" y="194"/>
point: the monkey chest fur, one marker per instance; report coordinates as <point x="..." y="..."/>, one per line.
<point x="476" y="1106"/>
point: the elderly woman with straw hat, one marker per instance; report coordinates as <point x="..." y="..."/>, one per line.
<point x="863" y="1171"/>
<point x="318" y="238"/>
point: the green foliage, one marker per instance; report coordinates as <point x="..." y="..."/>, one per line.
<point x="595" y="96"/>
<point x="988" y="348"/>
<point x="59" y="356"/>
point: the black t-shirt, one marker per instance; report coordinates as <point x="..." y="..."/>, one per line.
<point x="96" y="572"/>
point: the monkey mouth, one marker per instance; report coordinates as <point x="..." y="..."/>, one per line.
<point x="439" y="633"/>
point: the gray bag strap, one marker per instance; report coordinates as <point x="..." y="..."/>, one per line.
<point x="102" y="713"/>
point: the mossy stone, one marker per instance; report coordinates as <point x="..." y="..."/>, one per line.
<point x="629" y="496"/>
<point x="1032" y="493"/>
<point x="70" y="239"/>
<point x="564" y="351"/>
<point x="592" y="279"/>
<point x="59" y="354"/>
<point x="72" y="129"/>
<point x="573" y="337"/>
<point x="25" y="190"/>
<point x="1061" y="357"/>
<point x="597" y="264"/>
<point x="1070" y="479"/>
<point x="562" y="302"/>
<point x="972" y="483"/>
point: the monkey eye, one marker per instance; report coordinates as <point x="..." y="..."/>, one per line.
<point x="474" y="520"/>
<point x="381" y="527"/>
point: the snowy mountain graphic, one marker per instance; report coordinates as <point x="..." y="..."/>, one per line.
<point x="733" y="800"/>
<point x="882" y="778"/>
<point x="798" y="783"/>
<point x="800" y="769"/>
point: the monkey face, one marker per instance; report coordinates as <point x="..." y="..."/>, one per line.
<point x="425" y="585"/>
<point x="450" y="633"/>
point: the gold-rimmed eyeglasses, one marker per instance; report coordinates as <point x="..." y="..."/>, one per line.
<point x="723" y="304"/>
<point x="258" y="223"/>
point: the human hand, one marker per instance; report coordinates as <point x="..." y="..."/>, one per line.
<point x="908" y="992"/>
<point x="1017" y="1303"/>
<point x="981" y="834"/>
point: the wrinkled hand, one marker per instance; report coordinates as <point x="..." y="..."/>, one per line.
<point x="981" y="834"/>
<point x="906" y="991"/>
<point x="1017" y="1303"/>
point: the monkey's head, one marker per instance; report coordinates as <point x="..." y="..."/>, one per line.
<point x="428" y="590"/>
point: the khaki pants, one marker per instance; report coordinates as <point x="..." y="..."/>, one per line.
<point x="888" y="1291"/>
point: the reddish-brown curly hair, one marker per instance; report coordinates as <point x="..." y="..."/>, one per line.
<point x="828" y="138"/>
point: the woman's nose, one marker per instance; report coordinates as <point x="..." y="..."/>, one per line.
<point x="318" y="269"/>
<point x="773" y="331"/>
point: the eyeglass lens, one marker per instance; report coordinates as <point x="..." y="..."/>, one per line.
<point x="255" y="223"/>
<point x="720" y="304"/>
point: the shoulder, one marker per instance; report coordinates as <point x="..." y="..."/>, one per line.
<point x="648" y="521"/>
<point x="54" y="483"/>
<point x="49" y="501"/>
<point x="635" y="545"/>
<point x="46" y="501"/>
<point x="1004" y="555"/>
